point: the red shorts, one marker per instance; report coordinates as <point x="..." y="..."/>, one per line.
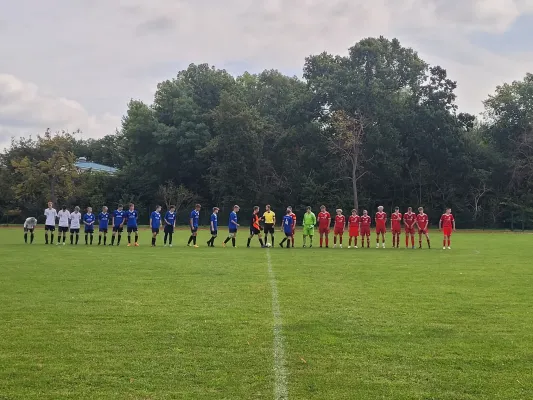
<point x="447" y="231"/>
<point x="365" y="231"/>
<point x="323" y="230"/>
<point x="409" y="230"/>
<point x="423" y="231"/>
<point x="396" y="230"/>
<point x="354" y="231"/>
<point x="381" y="229"/>
<point x="338" y="231"/>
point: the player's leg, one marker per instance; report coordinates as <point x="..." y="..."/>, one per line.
<point x="321" y="233"/>
<point x="444" y="240"/>
<point x="340" y="239"/>
<point x="383" y="238"/>
<point x="419" y="239"/>
<point x="377" y="238"/>
<point x="52" y="229"/>
<point x="449" y="241"/>
<point x="119" y="236"/>
<point x="427" y="239"/>
<point x="136" y="230"/>
<point x="32" y="235"/>
<point x="92" y="235"/>
<point x="250" y="238"/>
<point x="105" y="237"/>
<point x="311" y="234"/>
<point x="170" y="236"/>
<point x="25" y="235"/>
<point x="154" y="234"/>
<point x="227" y="239"/>
<point x="355" y="239"/>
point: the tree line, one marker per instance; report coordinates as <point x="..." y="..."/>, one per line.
<point x="378" y="126"/>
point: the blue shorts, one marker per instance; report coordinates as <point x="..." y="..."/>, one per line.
<point x="89" y="229"/>
<point x="155" y="230"/>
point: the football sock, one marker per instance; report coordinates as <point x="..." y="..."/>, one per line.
<point x="91" y="238"/>
<point x="272" y="239"/>
<point x="305" y="239"/>
<point x="71" y="239"/>
<point x="249" y="240"/>
<point x="165" y="238"/>
<point x="449" y="242"/>
<point x="311" y="240"/>
<point x="170" y="238"/>
<point x="283" y="241"/>
<point x="153" y="241"/>
<point x="129" y="239"/>
<point x="327" y="241"/>
<point x="112" y="240"/>
<point x="368" y="241"/>
<point x="261" y="241"/>
<point x="340" y="239"/>
<point x="335" y="240"/>
<point x="86" y="238"/>
<point x="136" y="238"/>
<point x="52" y="238"/>
<point x="406" y="241"/>
<point x="118" y="240"/>
<point x="31" y="237"/>
<point x="233" y="241"/>
<point x="25" y="238"/>
<point x="292" y="241"/>
<point x="444" y="243"/>
<point x="288" y="243"/>
<point x="429" y="244"/>
<point x="99" y="240"/>
<point x="64" y="237"/>
<point x="227" y="240"/>
<point x="46" y="238"/>
<point x="412" y="240"/>
<point x="190" y="239"/>
<point x="321" y="241"/>
<point x="105" y="239"/>
<point x="194" y="240"/>
<point x="77" y="237"/>
<point x="355" y="241"/>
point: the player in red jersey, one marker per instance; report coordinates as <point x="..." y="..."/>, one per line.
<point x="422" y="221"/>
<point x="365" y="229"/>
<point x="353" y="225"/>
<point x="396" y="227"/>
<point x="338" y="230"/>
<point x="324" y="222"/>
<point x="293" y="215"/>
<point x="447" y="224"/>
<point x="409" y="221"/>
<point x="381" y="226"/>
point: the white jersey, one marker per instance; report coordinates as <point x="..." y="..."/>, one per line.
<point x="64" y="216"/>
<point x="75" y="218"/>
<point x="30" y="223"/>
<point x="51" y="215"/>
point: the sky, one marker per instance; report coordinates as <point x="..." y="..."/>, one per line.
<point x="73" y="64"/>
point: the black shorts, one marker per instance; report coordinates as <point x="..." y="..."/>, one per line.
<point x="269" y="228"/>
<point x="77" y="230"/>
<point x="194" y="230"/>
<point x="169" y="228"/>
<point x="50" y="228"/>
<point x="131" y="229"/>
<point x="62" y="229"/>
<point x="254" y="231"/>
<point x="289" y="234"/>
<point x="155" y="230"/>
<point x="29" y="230"/>
<point x="214" y="233"/>
<point x="89" y="230"/>
<point x="103" y="230"/>
<point x="118" y="229"/>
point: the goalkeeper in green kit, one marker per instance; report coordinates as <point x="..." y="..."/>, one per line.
<point x="309" y="222"/>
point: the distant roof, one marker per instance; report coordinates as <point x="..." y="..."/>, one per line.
<point x="85" y="165"/>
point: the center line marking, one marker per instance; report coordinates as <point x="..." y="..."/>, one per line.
<point x="281" y="391"/>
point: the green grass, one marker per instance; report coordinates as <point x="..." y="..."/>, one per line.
<point x="182" y="323"/>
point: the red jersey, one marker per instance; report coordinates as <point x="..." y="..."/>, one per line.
<point x="293" y="215"/>
<point x="409" y="219"/>
<point x="396" y="219"/>
<point x="381" y="218"/>
<point x="365" y="220"/>
<point x="422" y="220"/>
<point x="323" y="219"/>
<point x="340" y="221"/>
<point x="447" y="220"/>
<point x="353" y="221"/>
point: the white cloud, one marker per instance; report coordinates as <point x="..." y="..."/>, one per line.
<point x="103" y="53"/>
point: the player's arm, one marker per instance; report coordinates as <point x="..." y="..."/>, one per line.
<point x="440" y="224"/>
<point x="453" y="222"/>
<point x="150" y="221"/>
<point x="212" y="225"/>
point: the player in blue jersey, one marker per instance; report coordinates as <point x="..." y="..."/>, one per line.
<point x="88" y="220"/>
<point x="103" y="225"/>
<point x="233" y="226"/>
<point x="170" y="224"/>
<point x="194" y="220"/>
<point x="131" y="217"/>
<point x="155" y="223"/>
<point x="213" y="227"/>
<point x="118" y="224"/>
<point x="287" y="223"/>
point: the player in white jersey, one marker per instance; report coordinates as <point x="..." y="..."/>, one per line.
<point x="50" y="225"/>
<point x="29" y="226"/>
<point x="64" y="216"/>
<point x="75" y="218"/>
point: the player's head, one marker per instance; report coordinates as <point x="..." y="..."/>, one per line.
<point x="158" y="208"/>
<point x="50" y="204"/>
<point x="380" y="208"/>
<point x="197" y="207"/>
<point x="215" y="210"/>
<point x="77" y="209"/>
<point x="89" y="210"/>
<point x="396" y="209"/>
<point x="289" y="211"/>
<point x="322" y="208"/>
<point x="120" y="207"/>
<point x="308" y="209"/>
<point x="33" y="220"/>
<point x="354" y="212"/>
<point x="365" y="212"/>
<point x="132" y="206"/>
<point x="64" y="208"/>
<point x="448" y="210"/>
<point x="410" y="209"/>
<point x="420" y="209"/>
<point x="256" y="209"/>
<point x="236" y="208"/>
<point x="289" y="208"/>
<point x="338" y="211"/>
<point x="104" y="209"/>
<point x="267" y="207"/>
<point x="172" y="208"/>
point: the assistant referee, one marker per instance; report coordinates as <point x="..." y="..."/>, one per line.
<point x="269" y="217"/>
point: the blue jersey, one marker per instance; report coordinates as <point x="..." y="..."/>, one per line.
<point x="119" y="217"/>
<point x="156" y="220"/>
<point x="232" y="225"/>
<point x="214" y="221"/>
<point x="131" y="216"/>
<point x="103" y="217"/>
<point x="170" y="217"/>
<point x="195" y="216"/>
<point x="89" y="221"/>
<point x="287" y="224"/>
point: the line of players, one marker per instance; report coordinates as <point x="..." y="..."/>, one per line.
<point x="357" y="226"/>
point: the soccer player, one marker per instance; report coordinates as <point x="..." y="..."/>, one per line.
<point x="324" y="222"/>
<point x="396" y="227"/>
<point x="233" y="226"/>
<point x="75" y="219"/>
<point x="366" y="220"/>
<point x="422" y="221"/>
<point x="194" y="219"/>
<point x="118" y="218"/>
<point x="255" y="228"/>
<point x="155" y="223"/>
<point x="447" y="224"/>
<point x="88" y="220"/>
<point x="293" y="215"/>
<point x="64" y="216"/>
<point x="353" y="226"/>
<point x="409" y="221"/>
<point x="170" y="224"/>
<point x="29" y="226"/>
<point x="287" y="223"/>
<point x="269" y="217"/>
<point x="309" y="222"/>
<point x="103" y="225"/>
<point x="338" y="229"/>
<point x="50" y="225"/>
<point x="213" y="227"/>
<point x="381" y="226"/>
<point x="131" y="216"/>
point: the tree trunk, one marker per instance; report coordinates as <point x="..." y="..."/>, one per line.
<point x="53" y="198"/>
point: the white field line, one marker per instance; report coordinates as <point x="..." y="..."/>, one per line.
<point x="281" y="391"/>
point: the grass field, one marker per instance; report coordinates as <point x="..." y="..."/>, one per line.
<point x="183" y="323"/>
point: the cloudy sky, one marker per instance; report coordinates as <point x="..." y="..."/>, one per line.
<point x="69" y="64"/>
